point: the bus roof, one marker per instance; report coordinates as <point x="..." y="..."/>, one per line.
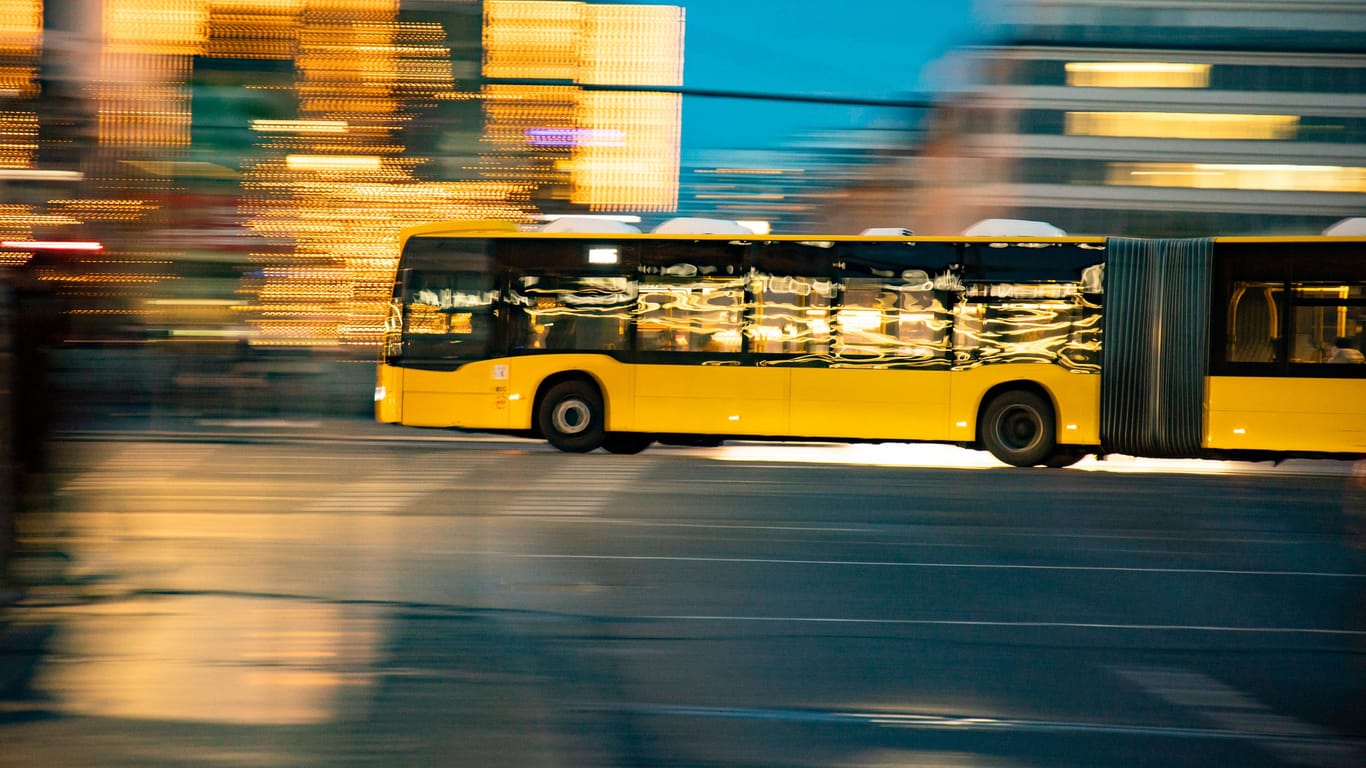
<point x="490" y="228"/>
<point x="1290" y="239"/>
<point x="509" y="229"/>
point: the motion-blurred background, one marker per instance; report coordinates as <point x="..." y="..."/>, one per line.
<point x="208" y="192"/>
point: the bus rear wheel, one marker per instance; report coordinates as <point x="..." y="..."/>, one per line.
<point x="1064" y="457"/>
<point x="626" y="442"/>
<point x="571" y="416"/>
<point x="1018" y="428"/>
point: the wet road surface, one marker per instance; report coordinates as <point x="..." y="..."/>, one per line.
<point x="409" y="602"/>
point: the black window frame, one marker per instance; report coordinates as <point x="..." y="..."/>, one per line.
<point x="1288" y="265"/>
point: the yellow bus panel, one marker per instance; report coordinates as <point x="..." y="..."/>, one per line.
<point x="501" y="394"/>
<point x="870" y="403"/>
<point x="473" y="397"/>
<point x="712" y="399"/>
<point x="1285" y="414"/>
<point x="389" y="394"/>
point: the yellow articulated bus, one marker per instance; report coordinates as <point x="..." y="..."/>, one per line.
<point x="1040" y="350"/>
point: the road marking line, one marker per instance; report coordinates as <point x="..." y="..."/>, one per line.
<point x="1017" y="624"/>
<point x="912" y="564"/>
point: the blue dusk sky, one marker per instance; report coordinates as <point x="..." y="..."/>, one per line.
<point x="867" y="49"/>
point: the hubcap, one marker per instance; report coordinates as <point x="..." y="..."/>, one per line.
<point x="1019" y="428"/>
<point x="571" y="417"/>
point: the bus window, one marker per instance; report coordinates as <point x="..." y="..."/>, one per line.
<point x="1254" y="323"/>
<point x="891" y="318"/>
<point x="791" y="315"/>
<point x="1328" y="323"/>
<point x="1028" y="322"/>
<point x="894" y="301"/>
<point x="699" y="315"/>
<point x="571" y="313"/>
<point x="792" y="291"/>
<point x="692" y="297"/>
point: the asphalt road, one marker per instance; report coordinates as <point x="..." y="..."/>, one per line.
<point x="490" y="603"/>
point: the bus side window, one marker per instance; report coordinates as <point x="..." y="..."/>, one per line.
<point x="572" y="313"/>
<point x="790" y="315"/>
<point x="1254" y="314"/>
<point x="1329" y="321"/>
<point x="700" y="315"/>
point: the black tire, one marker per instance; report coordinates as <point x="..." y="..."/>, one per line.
<point x="1018" y="428"/>
<point x="626" y="442"/>
<point x="571" y="416"/>
<point x="1064" y="457"/>
<point x="695" y="441"/>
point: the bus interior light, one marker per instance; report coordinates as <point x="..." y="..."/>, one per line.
<point x="602" y="256"/>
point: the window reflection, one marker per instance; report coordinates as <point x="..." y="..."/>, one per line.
<point x="448" y="313"/>
<point x="702" y="315"/>
<point x="791" y="315"/>
<point x="891" y="318"/>
<point x="572" y="313"/>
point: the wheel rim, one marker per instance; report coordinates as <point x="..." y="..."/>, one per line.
<point x="571" y="417"/>
<point x="1019" y="428"/>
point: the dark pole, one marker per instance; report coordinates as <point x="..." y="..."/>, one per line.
<point x="9" y="470"/>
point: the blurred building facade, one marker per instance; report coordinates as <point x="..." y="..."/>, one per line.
<point x="233" y="174"/>
<point x="1154" y="117"/>
<point x="291" y="139"/>
<point x="792" y="188"/>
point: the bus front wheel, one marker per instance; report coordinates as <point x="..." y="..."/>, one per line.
<point x="571" y="416"/>
<point x="1018" y="428"/>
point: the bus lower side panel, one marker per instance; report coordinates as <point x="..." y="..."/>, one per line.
<point x="815" y="403"/>
<point x="1285" y="415"/>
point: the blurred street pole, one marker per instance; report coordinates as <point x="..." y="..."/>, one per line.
<point x="8" y="469"/>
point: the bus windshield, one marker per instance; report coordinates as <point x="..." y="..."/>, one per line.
<point x="443" y="305"/>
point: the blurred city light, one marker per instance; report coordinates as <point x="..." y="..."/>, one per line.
<point x="1137" y="74"/>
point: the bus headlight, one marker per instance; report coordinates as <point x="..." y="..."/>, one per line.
<point x="379" y="393"/>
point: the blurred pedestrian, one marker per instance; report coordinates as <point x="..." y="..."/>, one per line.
<point x="38" y="328"/>
<point x="36" y="324"/>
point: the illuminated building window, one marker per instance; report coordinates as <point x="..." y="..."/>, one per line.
<point x="1181" y="125"/>
<point x="1284" y="178"/>
<point x="611" y="151"/>
<point x="532" y="39"/>
<point x="1137" y="74"/>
